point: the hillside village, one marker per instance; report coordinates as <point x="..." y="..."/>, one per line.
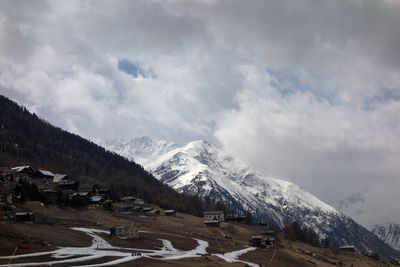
<point x="34" y="201"/>
<point x="26" y="182"/>
<point x="22" y="183"/>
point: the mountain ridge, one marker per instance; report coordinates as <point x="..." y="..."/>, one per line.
<point x="199" y="168"/>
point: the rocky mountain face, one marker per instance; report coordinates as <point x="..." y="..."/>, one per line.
<point x="389" y="233"/>
<point x="201" y="169"/>
<point x="142" y="150"/>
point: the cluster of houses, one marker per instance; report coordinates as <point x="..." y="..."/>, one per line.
<point x="214" y="218"/>
<point x="266" y="239"/>
<point x="54" y="184"/>
<point x="131" y="204"/>
<point x="51" y="184"/>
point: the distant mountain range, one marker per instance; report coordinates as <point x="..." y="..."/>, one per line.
<point x="389" y="233"/>
<point x="201" y="169"/>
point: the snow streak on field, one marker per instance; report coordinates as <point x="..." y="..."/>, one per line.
<point x="232" y="256"/>
<point x="100" y="248"/>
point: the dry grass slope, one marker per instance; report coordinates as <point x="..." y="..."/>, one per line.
<point x="178" y="230"/>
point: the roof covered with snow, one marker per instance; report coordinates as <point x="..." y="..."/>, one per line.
<point x="46" y="173"/>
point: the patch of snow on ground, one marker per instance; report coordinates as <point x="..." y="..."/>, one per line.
<point x="234" y="255"/>
<point x="100" y="248"/>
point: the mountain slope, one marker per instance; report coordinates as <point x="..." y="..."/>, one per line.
<point x="26" y="139"/>
<point x="201" y="169"/>
<point x="389" y="233"/>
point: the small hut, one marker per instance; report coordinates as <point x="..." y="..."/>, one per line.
<point x="348" y="248"/>
<point x="24" y="216"/>
<point x="265" y="240"/>
<point x="171" y="213"/>
<point x="214" y="216"/>
<point x="126" y="231"/>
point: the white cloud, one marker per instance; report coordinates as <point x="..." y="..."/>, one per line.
<point x="333" y="150"/>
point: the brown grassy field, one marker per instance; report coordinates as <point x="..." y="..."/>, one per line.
<point x="179" y="231"/>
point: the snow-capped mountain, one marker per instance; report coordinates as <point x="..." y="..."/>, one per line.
<point x="202" y="169"/>
<point x="142" y="150"/>
<point x="389" y="233"/>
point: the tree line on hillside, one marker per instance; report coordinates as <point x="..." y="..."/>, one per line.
<point x="295" y="231"/>
<point x="27" y="191"/>
<point x="27" y="139"/>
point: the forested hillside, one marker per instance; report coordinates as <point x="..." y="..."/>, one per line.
<point x="25" y="139"/>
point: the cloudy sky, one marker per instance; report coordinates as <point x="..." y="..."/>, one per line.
<point x="306" y="90"/>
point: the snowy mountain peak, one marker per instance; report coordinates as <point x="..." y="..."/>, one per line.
<point x="141" y="149"/>
<point x="145" y="139"/>
<point x="200" y="168"/>
<point x="199" y="147"/>
<point x="200" y="143"/>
